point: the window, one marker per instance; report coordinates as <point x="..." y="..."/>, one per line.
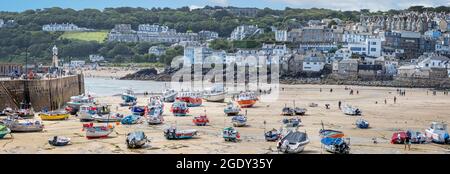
<point x="374" y="43"/>
<point x="373" y="49"/>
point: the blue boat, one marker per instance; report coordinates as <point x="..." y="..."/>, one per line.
<point x="130" y="119"/>
<point x="128" y="96"/>
<point x="292" y="122"/>
<point x="239" y="121"/>
<point x="336" y="145"/>
<point x="362" y="124"/>
<point x="272" y="135"/>
<point x="138" y="110"/>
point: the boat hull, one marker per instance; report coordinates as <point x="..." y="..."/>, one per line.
<point x="246" y="103"/>
<point x="219" y="97"/>
<point x="51" y="117"/>
<point x="92" y="133"/>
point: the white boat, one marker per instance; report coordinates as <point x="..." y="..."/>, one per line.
<point x="438" y="133"/>
<point x="231" y="109"/>
<point x="216" y="94"/>
<point x="17" y="124"/>
<point x="293" y="142"/>
<point x="86" y="113"/>
<point x="350" y="110"/>
<point x="97" y="131"/>
<point x="169" y="95"/>
<point x="155" y="118"/>
<point x="112" y="117"/>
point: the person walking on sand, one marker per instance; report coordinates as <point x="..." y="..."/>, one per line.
<point x="339" y="104"/>
<point x="385" y="101"/>
<point x="408" y="140"/>
<point x="395" y="100"/>
<point x="331" y="90"/>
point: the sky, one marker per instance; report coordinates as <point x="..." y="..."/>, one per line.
<point x="373" y="5"/>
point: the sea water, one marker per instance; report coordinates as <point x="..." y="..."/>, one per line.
<point x="110" y="87"/>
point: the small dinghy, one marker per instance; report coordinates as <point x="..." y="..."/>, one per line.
<point x="136" y="139"/>
<point x="17" y="124"/>
<point x="438" y="133"/>
<point x="4" y="130"/>
<point x="416" y="137"/>
<point x="362" y="124"/>
<point x="239" y="121"/>
<point x="293" y="142"/>
<point x="292" y="122"/>
<point x="272" y="135"/>
<point x="287" y="111"/>
<point x="169" y="95"/>
<point x="58" y="141"/>
<point x="299" y="111"/>
<point x="350" y="110"/>
<point x="138" y="110"/>
<point x="53" y="116"/>
<point x="112" y="117"/>
<point x="97" y="131"/>
<point x="331" y="133"/>
<point x="231" y="109"/>
<point x="131" y="119"/>
<point x="230" y="134"/>
<point x="179" y="108"/>
<point x="173" y="133"/>
<point x="200" y="120"/>
<point x="336" y="145"/>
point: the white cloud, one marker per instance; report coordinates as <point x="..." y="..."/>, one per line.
<point x="373" y="5"/>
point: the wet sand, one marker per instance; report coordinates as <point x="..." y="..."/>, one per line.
<point x="414" y="111"/>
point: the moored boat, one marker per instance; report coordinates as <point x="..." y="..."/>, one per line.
<point x="293" y="142"/>
<point x="299" y="111"/>
<point x="128" y="96"/>
<point x="179" y="108"/>
<point x="350" y="110"/>
<point x="54" y="115"/>
<point x="272" y="135"/>
<point x="192" y="99"/>
<point x="155" y="117"/>
<point x="138" y="110"/>
<point x="131" y="119"/>
<point x="331" y="133"/>
<point x="336" y="145"/>
<point x="173" y="133"/>
<point x="136" y="139"/>
<point x="86" y="113"/>
<point x="230" y="134"/>
<point x="200" y="120"/>
<point x="111" y="117"/>
<point x="97" y="131"/>
<point x="17" y="124"/>
<point x="4" y="130"/>
<point x="438" y="133"/>
<point x="362" y="124"/>
<point x="215" y="94"/>
<point x="287" y="111"/>
<point x="231" y="109"/>
<point x="25" y="110"/>
<point x="292" y="122"/>
<point x="169" y="95"/>
<point x="58" y="141"/>
<point x="416" y="137"/>
<point x="246" y="99"/>
<point x="76" y="101"/>
<point x="239" y="121"/>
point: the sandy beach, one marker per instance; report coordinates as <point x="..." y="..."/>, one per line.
<point x="109" y="72"/>
<point x="414" y="111"/>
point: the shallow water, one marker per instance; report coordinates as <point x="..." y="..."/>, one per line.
<point x="109" y="87"/>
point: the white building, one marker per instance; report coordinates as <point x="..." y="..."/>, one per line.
<point x="434" y="61"/>
<point x="77" y="63"/>
<point x="63" y="27"/>
<point x="157" y="50"/>
<point x="313" y="64"/>
<point x="371" y="47"/>
<point x="354" y="37"/>
<point x="196" y="55"/>
<point x="245" y="31"/>
<point x="96" y="58"/>
<point x="208" y="35"/>
<point x="155" y="28"/>
<point x="281" y="35"/>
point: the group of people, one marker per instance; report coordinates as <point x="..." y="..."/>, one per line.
<point x="401" y="93"/>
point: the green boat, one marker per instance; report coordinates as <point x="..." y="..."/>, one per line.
<point x="4" y="131"/>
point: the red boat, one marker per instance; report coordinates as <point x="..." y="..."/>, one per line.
<point x="398" y="138"/>
<point x="179" y="108"/>
<point x="192" y="99"/>
<point x="247" y="99"/>
<point x="200" y="120"/>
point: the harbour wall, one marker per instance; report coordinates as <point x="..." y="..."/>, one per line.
<point x="50" y="93"/>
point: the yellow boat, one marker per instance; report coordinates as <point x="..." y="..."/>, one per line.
<point x="54" y="115"/>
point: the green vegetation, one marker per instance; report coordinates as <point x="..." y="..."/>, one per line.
<point x="98" y="36"/>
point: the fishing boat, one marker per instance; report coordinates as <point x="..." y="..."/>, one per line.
<point x="86" y="113"/>
<point x="25" y="110"/>
<point x="362" y="124"/>
<point x="76" y="101"/>
<point x="416" y="137"/>
<point x="136" y="139"/>
<point x="138" y="110"/>
<point x="299" y="111"/>
<point x="292" y="122"/>
<point x="336" y="145"/>
<point x="169" y="95"/>
<point x="131" y="119"/>
<point x="287" y="111"/>
<point x="97" y="131"/>
<point x="231" y="109"/>
<point x="398" y="137"/>
<point x="230" y="134"/>
<point x="58" y="141"/>
<point x="192" y="99"/>
<point x="215" y="94"/>
<point x="156" y="103"/>
<point x="4" y="130"/>
<point x="173" y="133"/>
<point x="111" y="117"/>
<point x="128" y="96"/>
<point x="155" y="117"/>
<point x="18" y="124"/>
<point x="246" y="99"/>
<point x="437" y="133"/>
<point x="54" y="115"/>
<point x="200" y="120"/>
<point x="179" y="108"/>
<point x="272" y="135"/>
<point x="350" y="110"/>
<point x="293" y="142"/>
<point x="239" y="121"/>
